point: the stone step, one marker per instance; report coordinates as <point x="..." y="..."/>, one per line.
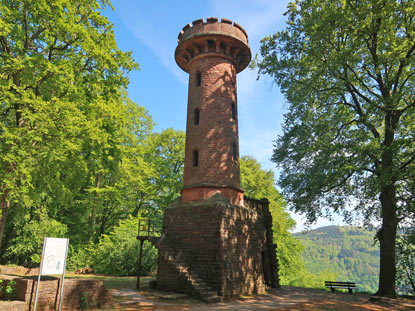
<point x="205" y="292"/>
<point x="209" y="294"/>
<point x="197" y="282"/>
<point x="213" y="299"/>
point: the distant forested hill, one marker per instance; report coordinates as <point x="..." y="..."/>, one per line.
<point x="349" y="252"/>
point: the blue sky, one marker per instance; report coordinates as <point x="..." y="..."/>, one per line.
<point x="150" y="28"/>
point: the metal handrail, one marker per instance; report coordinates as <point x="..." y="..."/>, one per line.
<point x="146" y="228"/>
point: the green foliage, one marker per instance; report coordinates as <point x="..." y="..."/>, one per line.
<point x="259" y="183"/>
<point x="304" y="278"/>
<point x="165" y="156"/>
<point x="84" y="301"/>
<point x="77" y="156"/>
<point x="346" y="68"/>
<point x="65" y="122"/>
<point x="405" y="262"/>
<point x="7" y="289"/>
<point x="117" y="252"/>
<point x="74" y="149"/>
<point x="26" y="241"/>
<point x="80" y="256"/>
<point x="348" y="253"/>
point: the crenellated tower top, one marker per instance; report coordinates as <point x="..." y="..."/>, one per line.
<point x="201" y="38"/>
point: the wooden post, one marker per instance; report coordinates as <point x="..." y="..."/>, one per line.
<point x="139" y="264"/>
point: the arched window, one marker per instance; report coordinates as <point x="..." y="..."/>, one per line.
<point x="198" y="78"/>
<point x="234" y="111"/>
<point x="211" y="46"/>
<point x="196" y="117"/>
<point x="195" y="158"/>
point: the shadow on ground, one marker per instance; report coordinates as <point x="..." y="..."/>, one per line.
<point x="285" y="299"/>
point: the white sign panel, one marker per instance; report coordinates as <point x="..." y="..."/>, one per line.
<point x="53" y="261"/>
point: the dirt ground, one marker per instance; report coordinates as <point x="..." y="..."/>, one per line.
<point x="285" y="299"/>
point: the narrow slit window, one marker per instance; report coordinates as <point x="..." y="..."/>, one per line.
<point x="196" y="116"/>
<point x="195" y="158"/>
<point x="233" y="111"/>
<point x="198" y="78"/>
<point x="234" y="152"/>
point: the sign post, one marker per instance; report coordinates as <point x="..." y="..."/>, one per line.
<point x="53" y="262"/>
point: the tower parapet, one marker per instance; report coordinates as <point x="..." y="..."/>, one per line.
<point x="225" y="38"/>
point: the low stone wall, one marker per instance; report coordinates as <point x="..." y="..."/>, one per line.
<point x="13" y="306"/>
<point x="77" y="293"/>
<point x="18" y="271"/>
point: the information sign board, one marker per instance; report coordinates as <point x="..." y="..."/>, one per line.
<point x="53" y="261"/>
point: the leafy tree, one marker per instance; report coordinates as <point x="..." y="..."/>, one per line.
<point x="26" y="240"/>
<point x="123" y="169"/>
<point x="165" y="158"/>
<point x="347" y="70"/>
<point x="61" y="88"/>
<point x="117" y="252"/>
<point x="259" y="183"/>
<point x="405" y="259"/>
<point x="347" y="252"/>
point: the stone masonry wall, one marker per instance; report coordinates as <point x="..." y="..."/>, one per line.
<point x="222" y="244"/>
<point x="216" y="134"/>
<point x="74" y="289"/>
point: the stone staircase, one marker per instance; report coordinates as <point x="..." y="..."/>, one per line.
<point x="175" y="258"/>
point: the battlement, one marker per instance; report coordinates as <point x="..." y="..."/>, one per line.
<point x="223" y="38"/>
<point x="212" y="25"/>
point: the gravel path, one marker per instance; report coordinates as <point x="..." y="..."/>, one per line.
<point x="285" y="299"/>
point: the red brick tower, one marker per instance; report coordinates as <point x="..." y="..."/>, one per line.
<point x="215" y="243"/>
<point x="212" y="53"/>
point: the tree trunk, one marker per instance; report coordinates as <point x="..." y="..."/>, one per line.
<point x="387" y="240"/>
<point x="411" y="280"/>
<point x="92" y="215"/>
<point x="4" y="209"/>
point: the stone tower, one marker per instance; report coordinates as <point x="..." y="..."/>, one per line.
<point x="212" y="53"/>
<point x="215" y="242"/>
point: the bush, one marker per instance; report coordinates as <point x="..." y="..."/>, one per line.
<point x="25" y="248"/>
<point x="7" y="289"/>
<point x="81" y="257"/>
<point x="117" y="252"/>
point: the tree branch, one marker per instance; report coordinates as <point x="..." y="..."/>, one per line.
<point x="36" y="35"/>
<point x="372" y="44"/>
<point x="402" y="64"/>
<point x="5" y="45"/>
<point x="44" y="78"/>
<point x="363" y="117"/>
<point x="403" y="166"/>
<point x="363" y="84"/>
<point x="411" y="105"/>
<point x="64" y="47"/>
<point x="26" y="37"/>
<point x="406" y="80"/>
<point x="51" y="49"/>
<point x="341" y="183"/>
<point x="341" y="127"/>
